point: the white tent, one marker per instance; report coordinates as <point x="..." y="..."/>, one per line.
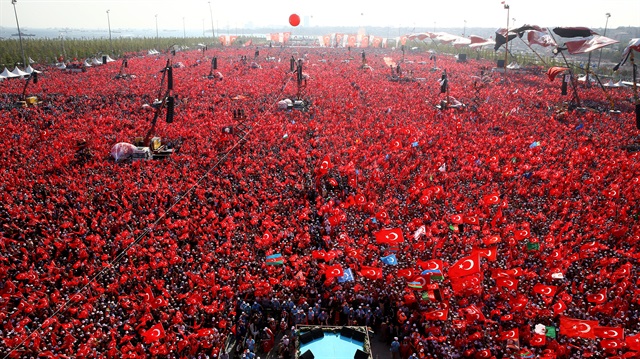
<point x="95" y="61"/>
<point x="61" y="66"/>
<point x="31" y="60"/>
<point x="19" y="72"/>
<point x="109" y="59"/>
<point x="31" y="70"/>
<point x="8" y="74"/>
<point x="87" y="63"/>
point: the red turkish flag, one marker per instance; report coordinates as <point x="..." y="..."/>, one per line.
<point x="507" y="283"/>
<point x="490" y="199"/>
<point x="371" y="272"/>
<point x="389" y="236"/>
<point x="559" y="307"/>
<point x="576" y="328"/>
<point x="521" y="234"/>
<point x="512" y="334"/>
<point x="473" y="313"/>
<point x="204" y="332"/>
<point x="436" y="315"/>
<point x="489" y="253"/>
<point x="538" y="340"/>
<point x="159" y="302"/>
<point x="470" y="284"/>
<point x="333" y="271"/>
<point x="395" y="145"/>
<point x="546" y="290"/>
<point x="318" y="255"/>
<point x="609" y="332"/>
<point x="598" y="298"/>
<point x="147" y="296"/>
<point x="324" y="167"/>
<point x="633" y="342"/>
<point x="471" y="220"/>
<point x="457" y="219"/>
<point x="408" y="273"/>
<point x="506" y="273"/>
<point x="614" y="344"/>
<point x="154" y="333"/>
<point x="431" y="264"/>
<point x="491" y="240"/>
<point x="465" y="266"/>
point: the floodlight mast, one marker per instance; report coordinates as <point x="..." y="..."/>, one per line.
<point x="605" y="34"/>
<point x="24" y="58"/>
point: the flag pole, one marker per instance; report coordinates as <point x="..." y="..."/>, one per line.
<point x="534" y="51"/>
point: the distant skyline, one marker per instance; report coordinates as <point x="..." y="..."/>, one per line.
<point x="423" y="15"/>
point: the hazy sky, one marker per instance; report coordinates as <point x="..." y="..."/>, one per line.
<point x="421" y="14"/>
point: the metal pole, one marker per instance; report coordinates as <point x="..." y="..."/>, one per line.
<point x="506" y="44"/>
<point x="109" y="23"/>
<point x="605" y="34"/>
<point x="157" y="37"/>
<point x="213" y="34"/>
<point x="184" y="29"/>
<point x="24" y="58"/>
<point x="464" y="30"/>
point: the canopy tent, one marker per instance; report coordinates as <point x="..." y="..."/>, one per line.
<point x="19" y="73"/>
<point x="61" y="66"/>
<point x="95" y="61"/>
<point x="8" y="74"/>
<point x="31" y="70"/>
<point x="87" y="63"/>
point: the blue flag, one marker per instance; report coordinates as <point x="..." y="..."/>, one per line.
<point x="347" y="276"/>
<point x="390" y="259"/>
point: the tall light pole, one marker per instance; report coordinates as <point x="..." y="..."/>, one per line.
<point x="157" y="37"/>
<point x="213" y="34"/>
<point x="184" y="29"/>
<point x="506" y="44"/>
<point x="109" y="23"/>
<point x="605" y="34"/>
<point x="24" y="58"/>
<point x="464" y="30"/>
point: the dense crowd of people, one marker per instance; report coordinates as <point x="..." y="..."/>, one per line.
<point x="106" y="259"/>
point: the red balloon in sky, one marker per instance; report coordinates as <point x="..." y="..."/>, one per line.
<point x="294" y="20"/>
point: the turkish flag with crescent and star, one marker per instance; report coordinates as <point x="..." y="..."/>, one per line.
<point x="154" y="333"/>
<point x="324" y="167"/>
<point x="577" y="328"/>
<point x="389" y="236"/>
<point x="465" y="266"/>
<point x="371" y="272"/>
<point x="609" y="332"/>
<point x="512" y="334"/>
<point x="436" y="315"/>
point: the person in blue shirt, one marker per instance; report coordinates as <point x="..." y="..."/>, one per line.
<point x="250" y="343"/>
<point x="395" y="348"/>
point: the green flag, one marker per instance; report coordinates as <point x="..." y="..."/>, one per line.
<point x="533" y="246"/>
<point x="551" y="332"/>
